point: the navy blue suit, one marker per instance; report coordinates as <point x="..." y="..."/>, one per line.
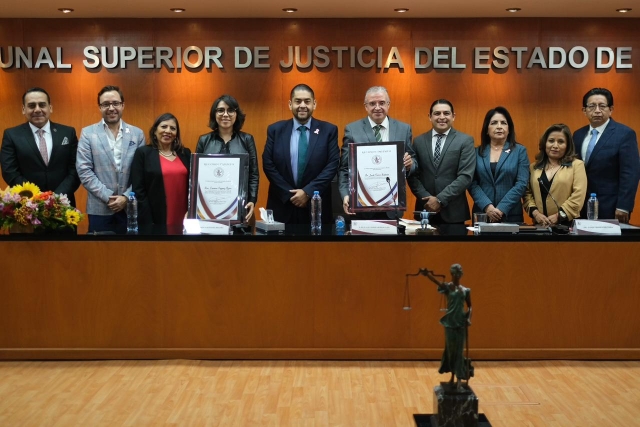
<point x="323" y="158"/>
<point x="613" y="170"/>
<point x="506" y="188"/>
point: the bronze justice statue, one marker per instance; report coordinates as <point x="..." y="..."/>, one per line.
<point x="456" y="322"/>
<point x="454" y="403"/>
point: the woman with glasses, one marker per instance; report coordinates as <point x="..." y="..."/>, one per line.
<point x="226" y="119"/>
<point x="557" y="176"/>
<point x="160" y="174"/>
<point x="502" y="170"/>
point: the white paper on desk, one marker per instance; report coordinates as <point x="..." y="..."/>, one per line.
<point x="374" y="227"/>
<point x="197" y="226"/>
<point x="591" y="227"/>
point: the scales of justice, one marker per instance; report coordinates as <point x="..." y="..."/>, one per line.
<point x="455" y="404"/>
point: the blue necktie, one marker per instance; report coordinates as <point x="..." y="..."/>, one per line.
<point x="303" y="144"/>
<point x="592" y="144"/>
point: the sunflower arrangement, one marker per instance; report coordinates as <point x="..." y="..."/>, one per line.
<point x="26" y="205"/>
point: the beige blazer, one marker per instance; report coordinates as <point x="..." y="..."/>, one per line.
<point x="569" y="187"/>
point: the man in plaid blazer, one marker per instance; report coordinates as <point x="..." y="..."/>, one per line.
<point x="105" y="153"/>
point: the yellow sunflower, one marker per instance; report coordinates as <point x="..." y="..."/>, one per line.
<point x="72" y="217"/>
<point x="26" y="190"/>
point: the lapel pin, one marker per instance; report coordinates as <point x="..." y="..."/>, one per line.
<point x="317" y="131"/>
<point x="126" y="130"/>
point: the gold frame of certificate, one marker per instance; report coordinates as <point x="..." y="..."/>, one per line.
<point x="218" y="187"/>
<point x="377" y="182"/>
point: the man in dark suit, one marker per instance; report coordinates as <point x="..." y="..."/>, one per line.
<point x="447" y="164"/>
<point x="610" y="152"/>
<point x="376" y="127"/>
<point x="301" y="156"/>
<point x="40" y="151"/>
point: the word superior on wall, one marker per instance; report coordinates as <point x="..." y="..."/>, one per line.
<point x="194" y="58"/>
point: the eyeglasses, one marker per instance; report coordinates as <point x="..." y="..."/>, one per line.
<point x="592" y="107"/>
<point x="221" y="111"/>
<point x="374" y="104"/>
<point x="114" y="104"/>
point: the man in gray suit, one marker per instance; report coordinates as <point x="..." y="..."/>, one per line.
<point x="447" y="164"/>
<point x="376" y="127"/>
<point x="105" y="153"/>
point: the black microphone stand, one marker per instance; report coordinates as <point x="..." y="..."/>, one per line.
<point x="558" y="228"/>
<point x="401" y="228"/>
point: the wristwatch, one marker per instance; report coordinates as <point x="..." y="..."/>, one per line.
<point x="563" y="215"/>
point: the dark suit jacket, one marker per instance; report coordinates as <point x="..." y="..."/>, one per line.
<point x="613" y="170"/>
<point x="148" y="184"/>
<point x="504" y="190"/>
<point x="323" y="157"/>
<point x="450" y="180"/>
<point x="361" y="131"/>
<point x="21" y="160"/>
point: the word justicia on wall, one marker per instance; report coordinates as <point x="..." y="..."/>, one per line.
<point x="195" y="58"/>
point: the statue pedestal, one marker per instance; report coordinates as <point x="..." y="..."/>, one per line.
<point x="453" y="408"/>
<point x="425" y="232"/>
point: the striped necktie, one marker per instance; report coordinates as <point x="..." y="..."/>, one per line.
<point x="376" y="131"/>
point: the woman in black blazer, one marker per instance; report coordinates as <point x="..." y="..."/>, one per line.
<point x="226" y="119"/>
<point x="160" y="174"/>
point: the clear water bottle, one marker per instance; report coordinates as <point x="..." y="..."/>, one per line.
<point x="316" y="213"/>
<point x="340" y="226"/>
<point x="592" y="207"/>
<point x="132" y="214"/>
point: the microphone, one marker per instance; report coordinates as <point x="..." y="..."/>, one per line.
<point x="395" y="205"/>
<point x="560" y="229"/>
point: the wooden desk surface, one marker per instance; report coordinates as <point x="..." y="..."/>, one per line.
<point x="316" y="300"/>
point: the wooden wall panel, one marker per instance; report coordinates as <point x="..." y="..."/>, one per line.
<point x="535" y="97"/>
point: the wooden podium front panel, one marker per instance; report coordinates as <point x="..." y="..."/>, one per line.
<point x="97" y="299"/>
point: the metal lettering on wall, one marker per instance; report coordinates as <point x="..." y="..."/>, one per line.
<point x="194" y="58"/>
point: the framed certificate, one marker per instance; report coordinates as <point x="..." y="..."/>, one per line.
<point x="376" y="177"/>
<point x="218" y="187"/>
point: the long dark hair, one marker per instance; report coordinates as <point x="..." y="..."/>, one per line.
<point x="232" y="103"/>
<point x="485" y="139"/>
<point x="569" y="155"/>
<point x="176" y="145"/>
